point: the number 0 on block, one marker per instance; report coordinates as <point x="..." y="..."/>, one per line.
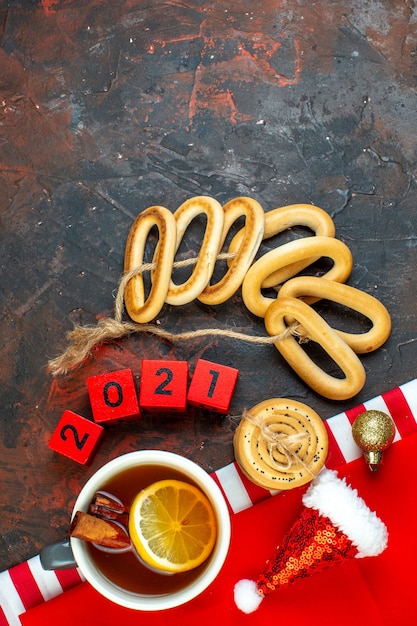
<point x="163" y="385"/>
<point x="212" y="386"/>
<point x="113" y="396"/>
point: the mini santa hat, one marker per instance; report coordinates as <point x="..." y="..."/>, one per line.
<point x="334" y="526"/>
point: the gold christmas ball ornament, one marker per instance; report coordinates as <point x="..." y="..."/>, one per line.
<point x="373" y="431"/>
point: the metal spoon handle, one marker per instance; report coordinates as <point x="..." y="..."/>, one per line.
<point x="57" y="556"/>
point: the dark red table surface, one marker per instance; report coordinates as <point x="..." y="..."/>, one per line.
<point x="109" y="107"/>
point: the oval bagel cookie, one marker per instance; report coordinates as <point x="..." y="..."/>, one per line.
<point x="354" y="299"/>
<point x="203" y="270"/>
<point x="316" y="329"/>
<point x="281" y="444"/>
<point x="249" y="243"/>
<point x="286" y="217"/>
<point x="308" y="215"/>
<point x="140" y="308"/>
<point x="287" y="254"/>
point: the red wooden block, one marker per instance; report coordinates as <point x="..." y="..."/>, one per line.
<point x="113" y="396"/>
<point x="212" y="386"/>
<point x="76" y="437"/>
<point x="164" y="385"/>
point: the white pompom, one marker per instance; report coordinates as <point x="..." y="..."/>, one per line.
<point x="247" y="598"/>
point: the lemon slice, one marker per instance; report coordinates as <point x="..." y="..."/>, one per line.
<point x="172" y="526"/>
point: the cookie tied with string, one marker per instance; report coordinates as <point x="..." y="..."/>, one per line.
<point x="280" y="444"/>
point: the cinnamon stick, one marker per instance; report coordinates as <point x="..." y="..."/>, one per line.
<point x="108" y="514"/>
<point x="106" y="507"/>
<point x="104" y="499"/>
<point x="97" y="530"/>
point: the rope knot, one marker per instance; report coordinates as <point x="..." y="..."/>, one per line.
<point x="280" y="444"/>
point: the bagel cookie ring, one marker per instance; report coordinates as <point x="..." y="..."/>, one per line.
<point x="283" y="218"/>
<point x="138" y="307"/>
<point x="318" y="330"/>
<point x="287" y="254"/>
<point x="290" y="453"/>
<point x="203" y="270"/>
<point x="249" y="245"/>
<point x="355" y="299"/>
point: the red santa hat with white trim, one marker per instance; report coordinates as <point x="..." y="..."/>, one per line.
<point x="335" y="525"/>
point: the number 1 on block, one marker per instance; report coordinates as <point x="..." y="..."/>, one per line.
<point x="212" y="386"/>
<point x="163" y="385"/>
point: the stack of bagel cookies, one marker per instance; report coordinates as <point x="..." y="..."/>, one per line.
<point x="287" y="315"/>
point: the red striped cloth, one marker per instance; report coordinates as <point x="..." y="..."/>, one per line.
<point x="27" y="585"/>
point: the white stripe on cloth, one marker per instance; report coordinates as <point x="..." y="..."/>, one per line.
<point x="10" y="601"/>
<point x="233" y="488"/>
<point x="48" y="584"/>
<point x="342" y="430"/>
<point x="410" y="393"/>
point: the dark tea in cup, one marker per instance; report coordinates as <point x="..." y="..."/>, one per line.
<point x="127" y="569"/>
<point x="123" y="577"/>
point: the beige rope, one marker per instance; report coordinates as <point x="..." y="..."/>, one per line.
<point x="84" y="338"/>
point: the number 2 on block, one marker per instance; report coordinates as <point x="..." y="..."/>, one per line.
<point x="162" y="387"/>
<point x="80" y="443"/>
<point x="76" y="437"/>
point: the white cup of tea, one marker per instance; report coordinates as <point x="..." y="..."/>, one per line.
<point x="128" y="582"/>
